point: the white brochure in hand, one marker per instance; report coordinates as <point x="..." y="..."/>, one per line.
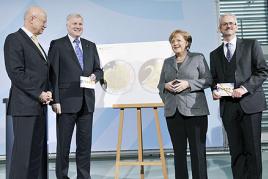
<point x="86" y="82"/>
<point x="225" y="89"/>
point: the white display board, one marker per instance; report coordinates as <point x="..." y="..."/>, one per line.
<point x="132" y="72"/>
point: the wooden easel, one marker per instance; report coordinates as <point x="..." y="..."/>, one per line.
<point x="140" y="161"/>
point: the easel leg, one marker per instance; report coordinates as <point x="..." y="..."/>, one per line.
<point x="162" y="154"/>
<point x="140" y="149"/>
<point x="118" y="147"/>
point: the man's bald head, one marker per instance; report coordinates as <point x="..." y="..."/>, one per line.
<point x="35" y="19"/>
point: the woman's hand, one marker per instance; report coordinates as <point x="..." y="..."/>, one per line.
<point x="169" y="86"/>
<point x="177" y="86"/>
<point x="181" y="86"/>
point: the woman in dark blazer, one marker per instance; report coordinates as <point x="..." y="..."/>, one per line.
<point x="181" y="86"/>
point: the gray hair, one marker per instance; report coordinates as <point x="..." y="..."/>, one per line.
<point x="73" y="15"/>
<point x="227" y="14"/>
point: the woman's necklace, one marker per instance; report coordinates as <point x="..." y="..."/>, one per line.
<point x="180" y="59"/>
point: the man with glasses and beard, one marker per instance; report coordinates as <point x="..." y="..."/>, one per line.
<point x="241" y="63"/>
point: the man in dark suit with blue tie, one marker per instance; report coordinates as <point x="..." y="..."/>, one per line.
<point x="27" y="67"/>
<point x="72" y="57"/>
<point x="241" y="62"/>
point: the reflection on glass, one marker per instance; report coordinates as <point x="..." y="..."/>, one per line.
<point x="149" y="74"/>
<point x="119" y="76"/>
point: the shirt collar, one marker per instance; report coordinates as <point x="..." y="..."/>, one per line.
<point x="30" y="34"/>
<point x="72" y="39"/>
<point x="232" y="42"/>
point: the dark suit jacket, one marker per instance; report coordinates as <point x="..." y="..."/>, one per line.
<point x="191" y="102"/>
<point x="65" y="72"/>
<point x="28" y="72"/>
<point x="251" y="72"/>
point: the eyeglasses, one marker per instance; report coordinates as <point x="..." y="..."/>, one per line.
<point x="228" y="23"/>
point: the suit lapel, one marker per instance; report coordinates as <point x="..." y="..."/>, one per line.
<point x="87" y="53"/>
<point x="44" y="53"/>
<point x="71" y="51"/>
<point x="220" y="59"/>
<point x="30" y="42"/>
<point x="239" y="47"/>
<point x="186" y="60"/>
<point x="173" y="63"/>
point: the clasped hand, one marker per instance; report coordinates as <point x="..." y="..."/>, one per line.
<point x="176" y="86"/>
<point x="45" y="97"/>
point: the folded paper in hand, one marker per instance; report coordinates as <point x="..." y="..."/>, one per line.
<point x="224" y="89"/>
<point x="86" y="82"/>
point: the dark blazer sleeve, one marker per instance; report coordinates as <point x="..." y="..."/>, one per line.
<point x="259" y="69"/>
<point x="213" y="71"/>
<point x="16" y="69"/>
<point x="97" y="68"/>
<point x="54" y="58"/>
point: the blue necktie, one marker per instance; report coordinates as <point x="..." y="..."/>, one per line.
<point x="228" y="54"/>
<point x="79" y="53"/>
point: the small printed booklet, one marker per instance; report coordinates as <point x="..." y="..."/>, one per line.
<point x="224" y="89"/>
<point x="86" y="82"/>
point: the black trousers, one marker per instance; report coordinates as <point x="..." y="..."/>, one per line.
<point x="29" y="152"/>
<point x="244" y="137"/>
<point x="193" y="128"/>
<point x="65" y="126"/>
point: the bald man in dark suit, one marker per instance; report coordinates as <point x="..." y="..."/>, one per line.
<point x="27" y="67"/>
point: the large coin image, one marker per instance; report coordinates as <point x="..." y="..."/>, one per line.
<point x="149" y="74"/>
<point x="119" y="76"/>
